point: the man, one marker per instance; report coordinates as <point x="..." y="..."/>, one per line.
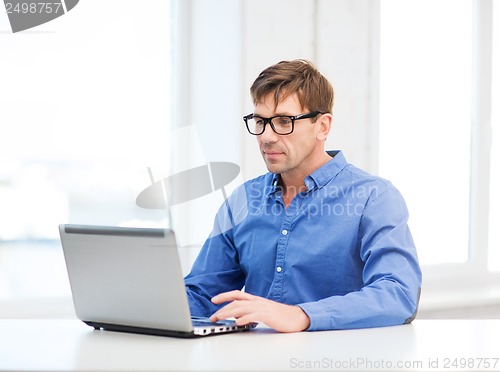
<point x="316" y="243"/>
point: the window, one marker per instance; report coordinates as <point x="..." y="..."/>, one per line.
<point x="425" y="97"/>
<point x="494" y="241"/>
<point x="85" y="109"/>
<point x="439" y="109"/>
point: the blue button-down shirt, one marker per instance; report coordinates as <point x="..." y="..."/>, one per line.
<point x="342" y="250"/>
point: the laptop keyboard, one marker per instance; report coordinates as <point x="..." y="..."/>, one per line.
<point x="205" y="322"/>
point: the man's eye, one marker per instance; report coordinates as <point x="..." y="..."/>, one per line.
<point x="284" y="120"/>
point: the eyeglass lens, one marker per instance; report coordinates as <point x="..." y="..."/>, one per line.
<point x="280" y="124"/>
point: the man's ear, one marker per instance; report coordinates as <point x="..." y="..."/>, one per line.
<point x="325" y="124"/>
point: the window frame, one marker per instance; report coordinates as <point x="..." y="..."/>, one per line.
<point x="471" y="283"/>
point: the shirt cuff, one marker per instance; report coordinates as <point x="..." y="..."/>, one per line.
<point x="318" y="320"/>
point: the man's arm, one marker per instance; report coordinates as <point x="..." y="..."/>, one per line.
<point x="391" y="274"/>
<point x="217" y="268"/>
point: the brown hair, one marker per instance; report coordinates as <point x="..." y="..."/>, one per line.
<point x="299" y="76"/>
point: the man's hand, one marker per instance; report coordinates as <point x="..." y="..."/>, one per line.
<point x="247" y="308"/>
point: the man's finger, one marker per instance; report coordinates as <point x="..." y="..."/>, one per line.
<point x="246" y="319"/>
<point x="231" y="296"/>
<point x="228" y="313"/>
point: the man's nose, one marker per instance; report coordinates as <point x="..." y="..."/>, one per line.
<point x="269" y="135"/>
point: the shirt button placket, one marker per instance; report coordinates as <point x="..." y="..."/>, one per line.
<point x="280" y="261"/>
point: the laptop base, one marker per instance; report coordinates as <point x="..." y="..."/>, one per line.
<point x="160" y="332"/>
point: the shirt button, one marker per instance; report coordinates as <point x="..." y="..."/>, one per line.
<point x="278" y="269"/>
<point x="284" y="232"/>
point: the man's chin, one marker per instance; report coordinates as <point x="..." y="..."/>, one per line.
<point x="274" y="168"/>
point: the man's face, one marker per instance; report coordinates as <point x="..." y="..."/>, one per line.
<point x="292" y="152"/>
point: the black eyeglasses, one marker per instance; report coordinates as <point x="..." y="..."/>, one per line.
<point x="280" y="124"/>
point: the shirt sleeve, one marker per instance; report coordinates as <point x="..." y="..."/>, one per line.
<point x="216" y="268"/>
<point x="391" y="274"/>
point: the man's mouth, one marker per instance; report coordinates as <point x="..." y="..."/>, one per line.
<point x="272" y="154"/>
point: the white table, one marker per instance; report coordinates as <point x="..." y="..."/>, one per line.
<point x="69" y="345"/>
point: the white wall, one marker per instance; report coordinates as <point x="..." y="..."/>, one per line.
<point x="340" y="37"/>
<point x="232" y="41"/>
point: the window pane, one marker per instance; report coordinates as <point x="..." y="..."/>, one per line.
<point x="425" y="119"/>
<point x="84" y="105"/>
<point x="494" y="242"/>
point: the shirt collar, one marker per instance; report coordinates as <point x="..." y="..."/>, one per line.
<point x="321" y="176"/>
<point x="275" y="178"/>
<point x="324" y="174"/>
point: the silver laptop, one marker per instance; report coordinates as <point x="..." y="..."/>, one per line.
<point x="130" y="280"/>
